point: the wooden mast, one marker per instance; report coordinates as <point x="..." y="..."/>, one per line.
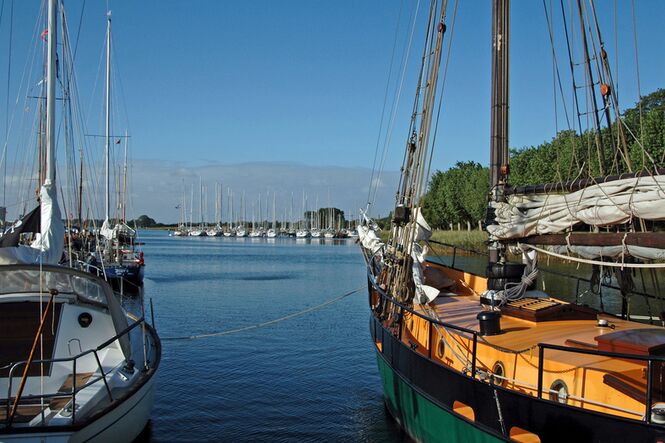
<point x="499" y="126"/>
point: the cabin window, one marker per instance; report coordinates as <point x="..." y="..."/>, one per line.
<point x="499" y="371"/>
<point x="465" y="411"/>
<point x="559" y="392"/>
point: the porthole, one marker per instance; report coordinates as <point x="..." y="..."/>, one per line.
<point x="441" y="349"/>
<point x="499" y="372"/>
<point x="85" y="319"/>
<point x="559" y="392"/>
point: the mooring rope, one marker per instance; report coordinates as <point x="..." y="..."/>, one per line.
<point x="265" y="323"/>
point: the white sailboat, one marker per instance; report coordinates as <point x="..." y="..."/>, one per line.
<point x="92" y="375"/>
<point x="241" y="231"/>
<point x="216" y="231"/>
<point x="200" y="230"/>
<point x="315" y="231"/>
<point x="181" y="231"/>
<point x="272" y="232"/>
<point x="302" y="231"/>
<point x="229" y="232"/>
<point x="121" y="262"/>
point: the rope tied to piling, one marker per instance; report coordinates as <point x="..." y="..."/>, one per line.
<point x="265" y="323"/>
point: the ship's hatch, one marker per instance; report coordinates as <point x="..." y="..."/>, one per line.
<point x="538" y="309"/>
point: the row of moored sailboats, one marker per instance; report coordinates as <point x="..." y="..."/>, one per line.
<point x="75" y="365"/>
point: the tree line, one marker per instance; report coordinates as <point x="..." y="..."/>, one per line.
<point x="459" y="195"/>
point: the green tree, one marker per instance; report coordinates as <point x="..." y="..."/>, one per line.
<point x="144" y="221"/>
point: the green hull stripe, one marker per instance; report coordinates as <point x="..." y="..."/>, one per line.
<point x="423" y="420"/>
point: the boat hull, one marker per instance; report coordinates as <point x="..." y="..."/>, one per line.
<point x="421" y="392"/>
<point x="123" y="423"/>
<point x="422" y="419"/>
<point x="133" y="275"/>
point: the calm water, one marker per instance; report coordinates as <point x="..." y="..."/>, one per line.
<point x="310" y="378"/>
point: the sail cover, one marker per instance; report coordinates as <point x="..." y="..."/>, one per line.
<point x="49" y="242"/>
<point x="603" y="204"/>
<point x="30" y="223"/>
<point x="107" y="231"/>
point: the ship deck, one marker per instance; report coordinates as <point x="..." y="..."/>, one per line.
<point x="600" y="382"/>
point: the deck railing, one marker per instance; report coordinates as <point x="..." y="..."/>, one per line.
<point x="11" y="412"/>
<point x="541" y="347"/>
<point x="577" y="279"/>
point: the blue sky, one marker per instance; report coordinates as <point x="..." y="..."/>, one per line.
<point x="222" y="83"/>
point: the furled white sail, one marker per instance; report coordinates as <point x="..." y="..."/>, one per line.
<point x="424" y="231"/>
<point x="424" y="293"/>
<point x="49" y="243"/>
<point x="602" y="204"/>
<point x="107" y="230"/>
<point x="369" y="239"/>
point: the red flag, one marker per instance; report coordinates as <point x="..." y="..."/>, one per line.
<point x="44" y="34"/>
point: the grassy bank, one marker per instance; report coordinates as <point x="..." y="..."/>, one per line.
<point x="475" y="240"/>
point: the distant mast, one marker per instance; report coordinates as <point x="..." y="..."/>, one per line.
<point x="499" y="129"/>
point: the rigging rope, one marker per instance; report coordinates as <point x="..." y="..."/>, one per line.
<point x="265" y="323"/>
<point x="396" y="100"/>
<point x="383" y="110"/>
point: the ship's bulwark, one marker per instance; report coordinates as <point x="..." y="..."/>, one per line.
<point x="420" y="394"/>
<point x="422" y="419"/>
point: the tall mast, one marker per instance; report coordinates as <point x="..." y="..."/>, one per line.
<point x="201" y="200"/>
<point x="183" y="208"/>
<point x="80" y="202"/>
<point x="499" y="129"/>
<point x="191" y="208"/>
<point x="124" y="184"/>
<point x="107" y="146"/>
<point x="50" y="92"/>
<point x="229" y="199"/>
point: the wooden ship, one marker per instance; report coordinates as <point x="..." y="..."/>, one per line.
<point x="470" y="357"/>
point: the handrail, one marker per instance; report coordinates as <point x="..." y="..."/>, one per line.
<point x="418" y="314"/>
<point x="544" y="270"/>
<point x="90" y="266"/>
<point x="541" y="346"/>
<point x="649" y="359"/>
<point x="600" y="353"/>
<point x="73" y="359"/>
